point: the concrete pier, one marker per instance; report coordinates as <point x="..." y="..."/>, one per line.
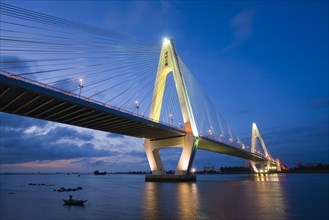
<point x="170" y="178"/>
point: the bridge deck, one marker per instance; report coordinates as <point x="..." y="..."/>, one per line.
<point x="215" y="146"/>
<point x="26" y="99"/>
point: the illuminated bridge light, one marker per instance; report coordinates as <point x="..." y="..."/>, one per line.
<point x="166" y="40"/>
<point x="137" y="106"/>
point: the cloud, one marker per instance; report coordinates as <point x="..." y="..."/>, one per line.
<point x="27" y="140"/>
<point x="13" y="64"/>
<point x="242" y="25"/>
<point x="134" y="153"/>
<point x="305" y="142"/>
<point x="113" y="135"/>
<point x="29" y="145"/>
<point x="13" y="122"/>
<point x="66" y="132"/>
<point x="25" y="149"/>
<point x="48" y="144"/>
<point x="16" y="65"/>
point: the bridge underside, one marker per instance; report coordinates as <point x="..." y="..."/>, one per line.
<point x="26" y="99"/>
<point x="214" y="146"/>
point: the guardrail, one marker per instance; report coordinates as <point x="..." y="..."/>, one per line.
<point x="68" y="93"/>
<point x="256" y="153"/>
<point x="21" y="78"/>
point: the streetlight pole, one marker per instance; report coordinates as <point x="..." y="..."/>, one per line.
<point x="137" y="106"/>
<point x="80" y="86"/>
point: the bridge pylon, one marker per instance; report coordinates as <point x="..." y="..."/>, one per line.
<point x="266" y="165"/>
<point x="168" y="63"/>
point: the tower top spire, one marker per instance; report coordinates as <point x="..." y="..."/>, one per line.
<point x="166" y="40"/>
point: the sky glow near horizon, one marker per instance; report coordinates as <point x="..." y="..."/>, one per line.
<point x="263" y="62"/>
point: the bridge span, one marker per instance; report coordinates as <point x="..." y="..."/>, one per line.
<point x="22" y="96"/>
<point x="25" y="97"/>
<point x="134" y="88"/>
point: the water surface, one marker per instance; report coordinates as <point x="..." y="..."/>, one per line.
<point x="283" y="196"/>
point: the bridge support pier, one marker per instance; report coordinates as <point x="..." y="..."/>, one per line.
<point x="265" y="166"/>
<point x="278" y="164"/>
<point x="152" y="147"/>
<point x="260" y="167"/>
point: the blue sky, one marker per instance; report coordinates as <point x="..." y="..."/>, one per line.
<point x="258" y="61"/>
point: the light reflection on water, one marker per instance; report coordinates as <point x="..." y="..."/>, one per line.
<point x="248" y="196"/>
<point x="271" y="196"/>
<point x="271" y="199"/>
<point x="267" y="177"/>
<point x="180" y="203"/>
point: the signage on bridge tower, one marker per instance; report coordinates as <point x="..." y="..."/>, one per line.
<point x="168" y="63"/>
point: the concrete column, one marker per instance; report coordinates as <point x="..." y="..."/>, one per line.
<point x="278" y="164"/>
<point x="153" y="157"/>
<point x="189" y="145"/>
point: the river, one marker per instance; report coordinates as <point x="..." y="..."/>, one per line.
<point x="119" y="196"/>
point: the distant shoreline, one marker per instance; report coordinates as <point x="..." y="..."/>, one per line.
<point x="197" y="173"/>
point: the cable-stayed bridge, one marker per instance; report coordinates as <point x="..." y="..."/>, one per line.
<point x="64" y="71"/>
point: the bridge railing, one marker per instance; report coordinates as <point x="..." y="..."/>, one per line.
<point x="21" y="78"/>
<point x="231" y="143"/>
<point x="256" y="153"/>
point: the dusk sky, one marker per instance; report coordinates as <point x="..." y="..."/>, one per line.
<point x="258" y="61"/>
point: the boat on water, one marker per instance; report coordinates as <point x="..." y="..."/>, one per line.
<point x="100" y="173"/>
<point x="74" y="202"/>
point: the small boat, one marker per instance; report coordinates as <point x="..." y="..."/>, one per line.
<point x="74" y="202"/>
